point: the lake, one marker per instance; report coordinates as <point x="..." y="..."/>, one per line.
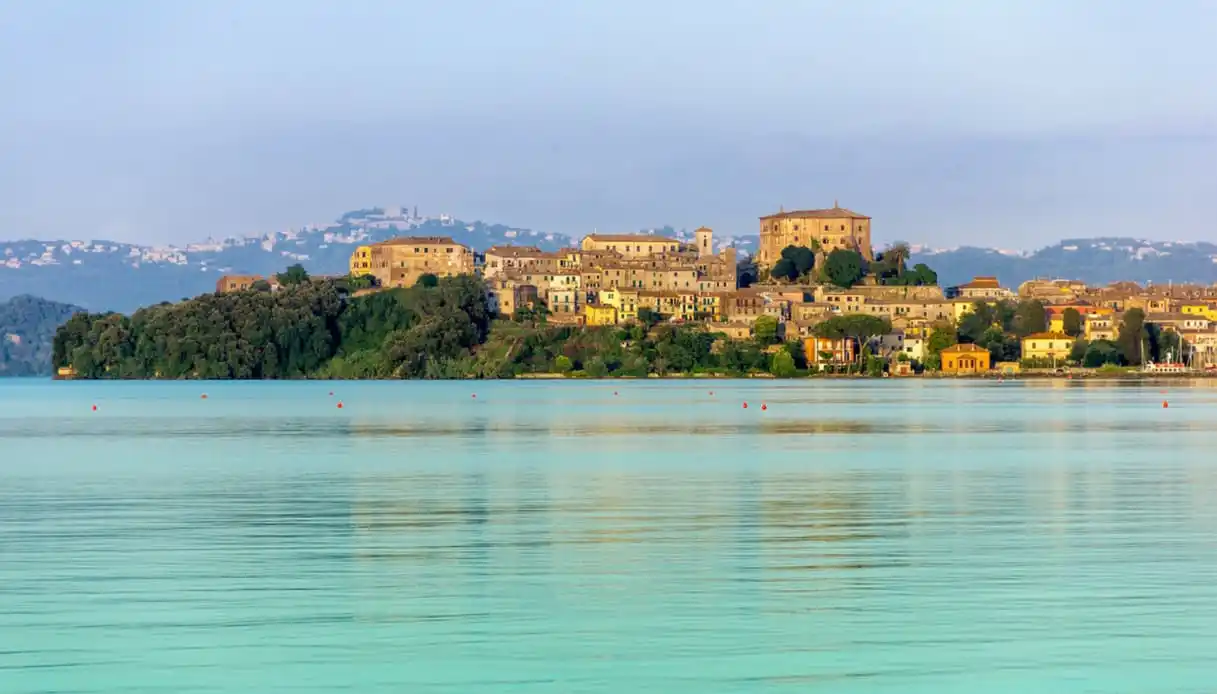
<point x="833" y="536"/>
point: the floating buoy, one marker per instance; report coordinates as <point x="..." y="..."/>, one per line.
<point x="331" y="392"/>
<point x="745" y="405"/>
<point x="340" y="404"/>
<point x="473" y="395"/>
<point x="95" y="408"/>
<point x="1164" y="404"/>
<point x="764" y="406"/>
<point x="711" y="392"/>
<point x="203" y="396"/>
<point x="614" y="392"/>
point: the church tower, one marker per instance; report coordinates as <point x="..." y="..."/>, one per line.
<point x="705" y="242"/>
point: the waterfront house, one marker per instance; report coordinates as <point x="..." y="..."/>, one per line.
<point x="1047" y="346"/>
<point x="965" y="359"/>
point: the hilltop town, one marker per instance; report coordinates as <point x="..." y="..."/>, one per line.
<point x="816" y="282"/>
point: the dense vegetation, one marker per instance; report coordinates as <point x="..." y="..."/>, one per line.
<point x="437" y="329"/>
<point x="27" y="328"/>
<point x="844" y="268"/>
<point x="1000" y="327"/>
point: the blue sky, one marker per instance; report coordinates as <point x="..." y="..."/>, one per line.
<point x="1011" y="124"/>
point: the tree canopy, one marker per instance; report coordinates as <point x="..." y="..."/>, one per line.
<point x="844" y="268"/>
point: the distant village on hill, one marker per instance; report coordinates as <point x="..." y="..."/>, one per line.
<point x="816" y="280"/>
<point x="111" y="275"/>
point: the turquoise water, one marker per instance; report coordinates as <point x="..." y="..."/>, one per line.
<point x="557" y="537"/>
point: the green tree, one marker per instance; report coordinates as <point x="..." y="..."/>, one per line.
<point x="939" y="340"/>
<point x="1072" y="321"/>
<point x="293" y="275"/>
<point x="784" y="269"/>
<point x="874" y="366"/>
<point x="1077" y="353"/>
<point x="766" y="330"/>
<point x="782" y="365"/>
<point x="1029" y="318"/>
<point x="427" y="281"/>
<point x="1100" y="353"/>
<point x="596" y="368"/>
<point x="1132" y="337"/>
<point x="746" y="272"/>
<point x="844" y="268"/>
<point x="859" y="327"/>
<point x="563" y="364"/>
<point x="649" y="317"/>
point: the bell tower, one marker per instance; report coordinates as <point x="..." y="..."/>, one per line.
<point x="705" y="242"/>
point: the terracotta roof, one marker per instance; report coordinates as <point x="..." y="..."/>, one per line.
<point x="411" y="240"/>
<point x="514" y="251"/>
<point x="982" y="283"/>
<point x="1047" y="336"/>
<point x="966" y="347"/>
<point x="631" y="238"/>
<point x="830" y="213"/>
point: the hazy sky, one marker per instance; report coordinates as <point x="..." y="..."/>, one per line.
<point x="949" y="121"/>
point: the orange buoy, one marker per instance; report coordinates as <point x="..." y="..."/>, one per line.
<point x="340" y="404"/>
<point x="745" y="405"/>
<point x="764" y="406"/>
<point x="1164" y="404"/>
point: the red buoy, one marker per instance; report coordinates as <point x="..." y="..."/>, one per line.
<point x="95" y="408"/>
<point x="1164" y="404"/>
<point x="340" y="404"/>
<point x="203" y="396"/>
<point x="764" y="406"/>
<point x="474" y="396"/>
<point x="745" y="405"/>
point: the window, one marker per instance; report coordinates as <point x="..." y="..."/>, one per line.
<point x="842" y="227"/>
<point x="825" y="227"/>
<point x="449" y="250"/>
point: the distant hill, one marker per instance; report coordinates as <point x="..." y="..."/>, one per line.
<point x="107" y="275"/>
<point x="27" y="327"/>
<point x="1095" y="261"/>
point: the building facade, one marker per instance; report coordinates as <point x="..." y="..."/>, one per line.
<point x="401" y="261"/>
<point x="831" y="229"/>
<point x="965" y="359"/>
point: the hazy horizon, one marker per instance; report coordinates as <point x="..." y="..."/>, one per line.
<point x="950" y="123"/>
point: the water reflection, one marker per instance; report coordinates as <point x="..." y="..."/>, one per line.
<point x="954" y="542"/>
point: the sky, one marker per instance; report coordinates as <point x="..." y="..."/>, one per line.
<point x="1005" y="124"/>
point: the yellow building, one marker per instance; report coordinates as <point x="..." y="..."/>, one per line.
<point x="625" y="301"/>
<point x="237" y="283"/>
<point x="630" y="245"/>
<point x="1199" y="309"/>
<point x="599" y="314"/>
<point x="832" y="228"/>
<point x="1047" y="346"/>
<point x="361" y="261"/>
<point x="400" y="262"/>
<point x="965" y="359"/>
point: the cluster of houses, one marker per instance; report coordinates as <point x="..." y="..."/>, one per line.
<point x="614" y="278"/>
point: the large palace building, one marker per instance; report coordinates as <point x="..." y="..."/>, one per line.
<point x="833" y="228"/>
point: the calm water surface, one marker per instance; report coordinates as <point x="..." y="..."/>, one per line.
<point x="607" y="537"/>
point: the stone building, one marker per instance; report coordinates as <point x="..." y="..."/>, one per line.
<point x="832" y="228"/>
<point x="401" y="261"/>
